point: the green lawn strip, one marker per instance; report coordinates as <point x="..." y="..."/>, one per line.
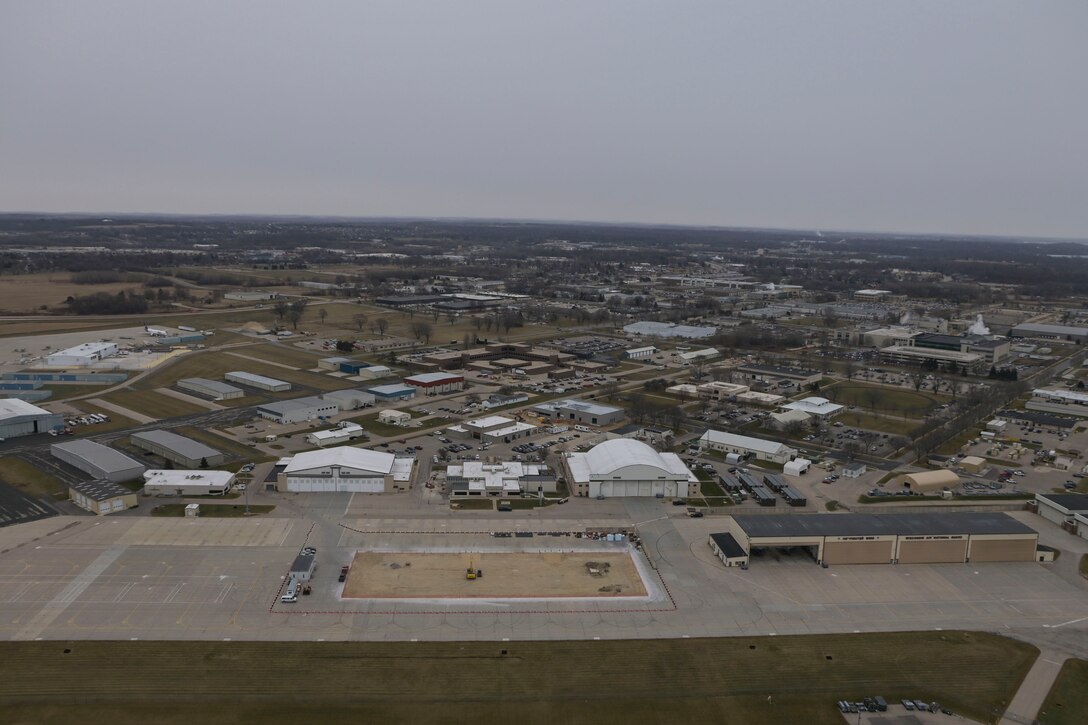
<point x="708" y="487"/>
<point x="214" y="364"/>
<point x="1067" y="702"/>
<point x="64" y="391"/>
<point x="858" y="419"/>
<point x="30" y="479"/>
<point x="1084" y="566"/>
<point x="154" y="404"/>
<point x="211" y="511"/>
<point x="786" y="679"/>
<point x="472" y="504"/>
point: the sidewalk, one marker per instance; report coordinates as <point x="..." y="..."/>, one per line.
<point x="1029" y="698"/>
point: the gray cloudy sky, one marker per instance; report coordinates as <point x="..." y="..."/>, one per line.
<point x="965" y="116"/>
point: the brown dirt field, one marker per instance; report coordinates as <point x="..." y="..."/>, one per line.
<point x="433" y="575"/>
<point x="26" y="293"/>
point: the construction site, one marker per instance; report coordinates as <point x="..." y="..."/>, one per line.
<point x="494" y="575"/>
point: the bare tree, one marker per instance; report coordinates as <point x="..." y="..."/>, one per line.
<point x="322" y="313"/>
<point x="360" y="321"/>
<point x="422" y="331"/>
<point x="381" y="325"/>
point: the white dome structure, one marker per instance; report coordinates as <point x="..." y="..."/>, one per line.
<point x="625" y="467"/>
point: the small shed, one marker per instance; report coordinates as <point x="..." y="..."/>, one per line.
<point x="854" y="470"/>
<point x="192" y="510"/>
<point x="973" y="464"/>
<point x="796" y="467"/>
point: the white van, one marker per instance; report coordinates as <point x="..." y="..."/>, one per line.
<point x="291" y="594"/>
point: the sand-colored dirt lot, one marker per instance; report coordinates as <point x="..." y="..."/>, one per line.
<point x="425" y="575"/>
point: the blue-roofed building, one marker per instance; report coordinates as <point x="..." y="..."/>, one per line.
<point x="396" y="391"/>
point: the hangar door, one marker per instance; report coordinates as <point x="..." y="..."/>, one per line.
<point x="638" y="488"/>
<point x="942" y="551"/>
<point x="1002" y="550"/>
<point x="857" y="552"/>
<point x="349" y="485"/>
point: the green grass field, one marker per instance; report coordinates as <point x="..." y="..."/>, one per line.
<point x="897" y="401"/>
<point x="154" y="404"/>
<point x="213" y="364"/>
<point x="859" y="419"/>
<point x="63" y="391"/>
<point x="1067" y="703"/>
<point x="758" y="680"/>
<point x="30" y="479"/>
<point x="472" y="504"/>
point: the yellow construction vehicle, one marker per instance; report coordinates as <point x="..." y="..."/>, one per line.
<point x="470" y="573"/>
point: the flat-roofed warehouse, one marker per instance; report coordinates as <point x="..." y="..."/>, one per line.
<point x="98" y="460"/>
<point x="210" y="388"/>
<point x="435" y="383"/>
<point x="182" y="451"/>
<point x="20" y="418"/>
<point x="921" y="538"/>
<point x="1050" y="332"/>
<point x="298" y="410"/>
<point x="260" y="382"/>
<point x="187" y="483"/>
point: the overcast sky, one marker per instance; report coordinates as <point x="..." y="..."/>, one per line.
<point x="967" y="116"/>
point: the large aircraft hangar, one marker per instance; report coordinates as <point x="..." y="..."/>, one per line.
<point x="921" y="538"/>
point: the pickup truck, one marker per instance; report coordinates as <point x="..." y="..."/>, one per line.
<point x="344" y="573"/>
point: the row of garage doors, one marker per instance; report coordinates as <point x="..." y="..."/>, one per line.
<point x="928" y="551"/>
<point x="343" y="485"/>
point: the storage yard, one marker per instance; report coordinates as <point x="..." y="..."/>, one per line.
<point x="528" y="575"/>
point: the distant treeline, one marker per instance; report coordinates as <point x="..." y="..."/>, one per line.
<point x="103" y="303"/>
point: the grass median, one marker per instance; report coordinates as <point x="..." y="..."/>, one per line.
<point x="750" y="680"/>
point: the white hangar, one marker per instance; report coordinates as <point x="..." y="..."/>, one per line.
<point x="350" y="469"/>
<point x="625" y="467"/>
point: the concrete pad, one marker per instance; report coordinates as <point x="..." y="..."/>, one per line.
<point x="207" y="532"/>
<point x="114" y="408"/>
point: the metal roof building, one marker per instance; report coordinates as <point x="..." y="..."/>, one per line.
<point x="921" y="538"/>
<point x="260" y="382"/>
<point x="98" y="460"/>
<point x="20" y="418"/>
<point x="210" y="388"/>
<point x="668" y="329"/>
<point x="581" y="411"/>
<point x="717" y="440"/>
<point x="178" y="449"/>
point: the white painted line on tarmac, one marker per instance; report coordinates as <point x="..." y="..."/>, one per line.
<point x="1071" y="621"/>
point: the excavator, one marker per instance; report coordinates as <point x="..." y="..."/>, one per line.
<point x="470" y="573"/>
